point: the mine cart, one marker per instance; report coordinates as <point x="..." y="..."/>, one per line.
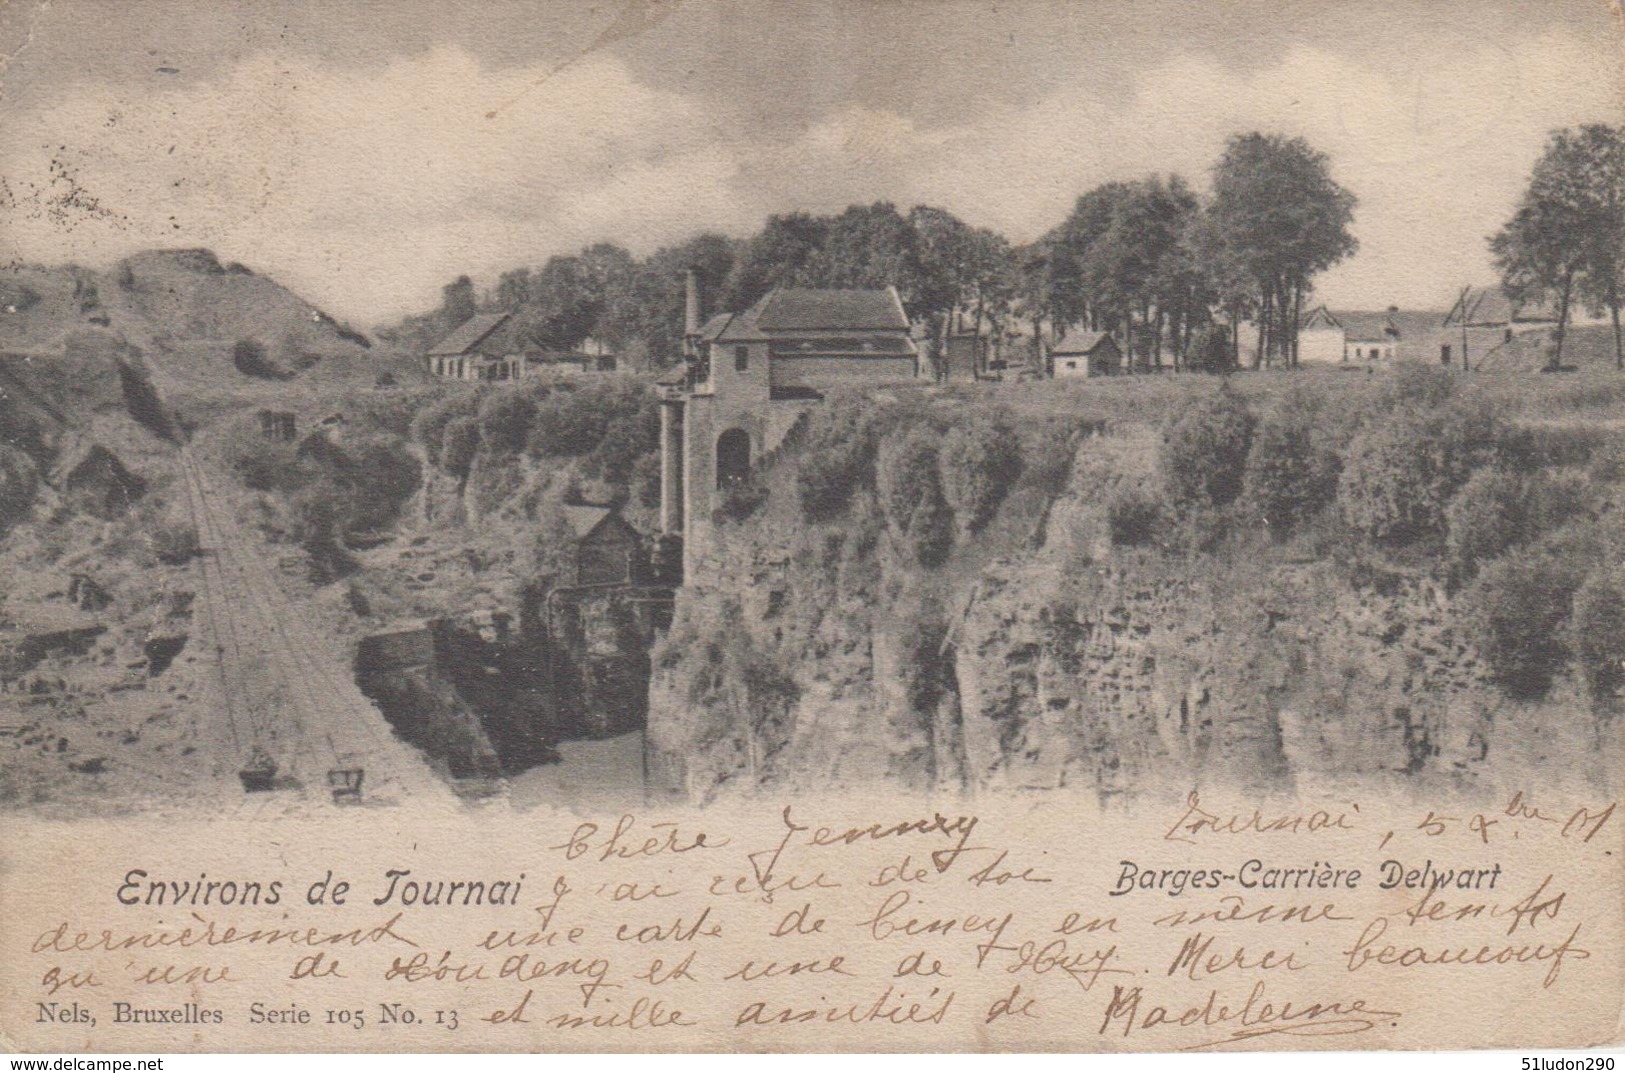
<point x="259" y="774"/>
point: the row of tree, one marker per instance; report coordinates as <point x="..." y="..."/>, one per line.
<point x="1172" y="274"/>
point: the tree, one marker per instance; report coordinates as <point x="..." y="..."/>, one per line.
<point x="457" y="301"/>
<point x="1285" y="220"/>
<point x="874" y="246"/>
<point x="783" y="253"/>
<point x="646" y="306"/>
<point x="1568" y="232"/>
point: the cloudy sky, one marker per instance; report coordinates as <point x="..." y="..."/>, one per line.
<point x="366" y="152"/>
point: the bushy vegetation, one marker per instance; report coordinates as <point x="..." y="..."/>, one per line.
<point x="980" y="462"/>
<point x="1598" y="633"/>
<point x="330" y="490"/>
<point x="1521" y="605"/>
<point x="249" y="357"/>
<point x="1484" y="519"/>
<point x="1291" y="472"/>
<point x="429" y="425"/>
<point x="1401" y="469"/>
<point x="836" y="463"/>
<point x="1134" y="517"/>
<point x="1203" y="454"/>
<point x="505" y="418"/>
<point x="459" y="443"/>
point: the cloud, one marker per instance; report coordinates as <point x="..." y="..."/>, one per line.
<point x="367" y="187"/>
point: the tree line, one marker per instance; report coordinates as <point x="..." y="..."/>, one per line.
<point x="1566" y="240"/>
<point x="1172" y="273"/>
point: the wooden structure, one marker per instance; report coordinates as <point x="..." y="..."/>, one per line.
<point x="1086" y="354"/>
<point x="608" y="551"/>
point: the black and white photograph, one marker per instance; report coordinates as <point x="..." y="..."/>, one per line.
<point x="537" y="409"/>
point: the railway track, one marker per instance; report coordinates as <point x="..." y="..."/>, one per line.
<point x="284" y="690"/>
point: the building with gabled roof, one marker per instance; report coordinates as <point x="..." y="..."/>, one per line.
<point x="1485" y="319"/>
<point x="1326" y="337"/>
<point x="486" y="346"/>
<point x="750" y="376"/>
<point x="1086" y="353"/>
<point x="608" y="550"/>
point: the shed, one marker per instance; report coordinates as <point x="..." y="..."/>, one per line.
<point x="1083" y="354"/>
<point x="608" y="550"/>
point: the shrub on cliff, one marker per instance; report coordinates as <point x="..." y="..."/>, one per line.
<point x="627" y="438"/>
<point x="1134" y="518"/>
<point x="1519" y="609"/>
<point x="429" y="426"/>
<point x="980" y="463"/>
<point x="569" y="424"/>
<point x="837" y="458"/>
<point x="505" y="416"/>
<point x="19" y="482"/>
<point x="459" y="443"/>
<point x="827" y="476"/>
<point x="1203" y="454"/>
<point x="1396" y="482"/>
<point x="382" y="475"/>
<point x="1484" y="519"/>
<point x="905" y="473"/>
<point x="1597" y="632"/>
<point x="250" y="359"/>
<point x="316" y="519"/>
<point x="1291" y="476"/>
<point x="930" y="534"/>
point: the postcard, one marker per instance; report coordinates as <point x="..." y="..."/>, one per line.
<point x="752" y="525"/>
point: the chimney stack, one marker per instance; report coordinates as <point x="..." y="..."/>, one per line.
<point x="691" y="309"/>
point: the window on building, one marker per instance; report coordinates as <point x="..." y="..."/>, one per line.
<point x="1508" y="337"/>
<point x="1444" y="354"/>
<point x="1071" y="365"/>
<point x="741" y="358"/>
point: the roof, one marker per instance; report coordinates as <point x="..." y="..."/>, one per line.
<point x="1083" y="342"/>
<point x="802" y="309"/>
<point x="715" y="326"/>
<point x="468" y="335"/>
<point x="1319" y="316"/>
<point x="1481" y="307"/>
<point x="1368" y="327"/>
<point x="584" y="521"/>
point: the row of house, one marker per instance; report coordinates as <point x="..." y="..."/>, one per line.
<point x="1480" y="323"/>
<point x="495" y="347"/>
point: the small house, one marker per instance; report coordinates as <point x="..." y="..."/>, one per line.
<point x="1370" y="337"/>
<point x="486" y="346"/>
<point x="1086" y="354"/>
<point x="608" y="551"/>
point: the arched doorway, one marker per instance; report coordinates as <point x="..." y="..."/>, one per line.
<point x="733" y="457"/>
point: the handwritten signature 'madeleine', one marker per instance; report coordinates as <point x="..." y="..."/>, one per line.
<point x="1256" y="1016"/>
